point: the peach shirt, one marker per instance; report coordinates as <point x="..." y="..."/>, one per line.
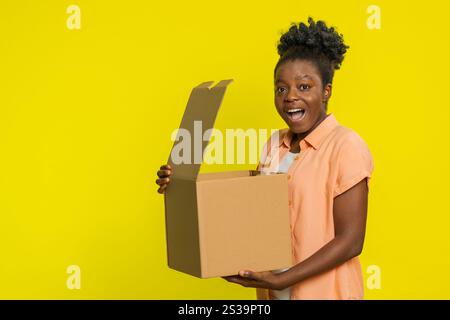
<point x="332" y="159"/>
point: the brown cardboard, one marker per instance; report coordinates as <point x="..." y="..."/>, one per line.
<point x="220" y="223"/>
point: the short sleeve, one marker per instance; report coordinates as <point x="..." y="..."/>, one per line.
<point x="354" y="163"/>
<point x="270" y="144"/>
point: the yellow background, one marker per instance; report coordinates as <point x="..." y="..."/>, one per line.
<point x="86" y="117"/>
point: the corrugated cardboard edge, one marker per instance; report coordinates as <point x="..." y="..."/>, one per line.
<point x="200" y="95"/>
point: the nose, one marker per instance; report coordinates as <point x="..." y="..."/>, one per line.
<point x="291" y="95"/>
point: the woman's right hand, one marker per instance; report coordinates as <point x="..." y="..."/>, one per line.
<point x="164" y="173"/>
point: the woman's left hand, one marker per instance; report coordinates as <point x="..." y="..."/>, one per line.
<point x="265" y="280"/>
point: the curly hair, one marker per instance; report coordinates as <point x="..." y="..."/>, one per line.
<point x="317" y="43"/>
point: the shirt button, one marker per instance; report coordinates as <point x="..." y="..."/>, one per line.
<point x="289" y="177"/>
<point x="290" y="203"/>
<point x="297" y="157"/>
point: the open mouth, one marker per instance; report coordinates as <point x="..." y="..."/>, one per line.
<point x="296" y="114"/>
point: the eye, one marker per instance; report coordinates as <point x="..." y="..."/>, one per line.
<point x="280" y="90"/>
<point x="304" y="87"/>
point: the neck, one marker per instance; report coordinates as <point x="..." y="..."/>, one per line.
<point x="297" y="137"/>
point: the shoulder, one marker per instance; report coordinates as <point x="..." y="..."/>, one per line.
<point x="348" y="148"/>
<point x="350" y="151"/>
<point x="347" y="139"/>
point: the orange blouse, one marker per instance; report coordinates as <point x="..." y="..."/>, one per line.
<point x="332" y="159"/>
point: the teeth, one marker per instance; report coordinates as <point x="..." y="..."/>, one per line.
<point x="294" y="110"/>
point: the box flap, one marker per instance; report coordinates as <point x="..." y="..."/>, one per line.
<point x="199" y="116"/>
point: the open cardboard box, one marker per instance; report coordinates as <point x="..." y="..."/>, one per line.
<point x="220" y="223"/>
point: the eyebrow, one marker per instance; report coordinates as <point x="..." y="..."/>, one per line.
<point x="296" y="78"/>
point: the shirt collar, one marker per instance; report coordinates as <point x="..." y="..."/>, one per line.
<point x="315" y="137"/>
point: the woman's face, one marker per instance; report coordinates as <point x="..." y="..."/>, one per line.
<point x="300" y="96"/>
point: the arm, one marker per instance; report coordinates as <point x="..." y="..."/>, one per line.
<point x="349" y="212"/>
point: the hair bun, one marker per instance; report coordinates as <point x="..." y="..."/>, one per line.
<point x="316" y="37"/>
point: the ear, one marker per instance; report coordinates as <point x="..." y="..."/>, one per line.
<point x="326" y="93"/>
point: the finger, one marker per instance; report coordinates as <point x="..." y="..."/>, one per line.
<point x="245" y="282"/>
<point x="164" y="173"/>
<point x="239" y="280"/>
<point x="250" y="274"/>
<point x="227" y="278"/>
<point x="231" y="276"/>
<point x="166" y="167"/>
<point x="234" y="279"/>
<point x="162" y="181"/>
<point x="162" y="188"/>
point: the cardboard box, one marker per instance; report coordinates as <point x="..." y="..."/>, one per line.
<point x="220" y="223"/>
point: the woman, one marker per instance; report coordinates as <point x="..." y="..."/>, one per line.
<point x="328" y="167"/>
